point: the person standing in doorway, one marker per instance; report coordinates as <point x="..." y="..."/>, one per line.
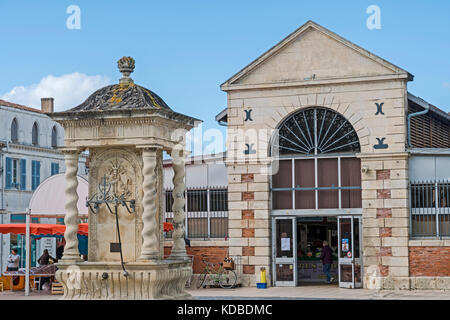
<point x="13" y="264"/>
<point x="60" y="249"/>
<point x="327" y="259"/>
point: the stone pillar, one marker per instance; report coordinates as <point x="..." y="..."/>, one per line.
<point x="385" y="221"/>
<point x="150" y="245"/>
<point x="179" y="245"/>
<point x="71" y="252"/>
<point x="249" y="223"/>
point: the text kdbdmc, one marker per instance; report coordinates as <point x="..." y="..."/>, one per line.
<point x="247" y="309"/>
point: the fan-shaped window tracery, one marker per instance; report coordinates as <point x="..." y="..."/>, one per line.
<point x="315" y="131"/>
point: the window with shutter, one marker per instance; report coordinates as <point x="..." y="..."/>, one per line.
<point x="35" y="174"/>
<point x="55" y="168"/>
<point x="23" y="174"/>
<point x="8" y="174"/>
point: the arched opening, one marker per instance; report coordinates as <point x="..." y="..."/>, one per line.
<point x="14" y="131"/>
<point x="314" y="131"/>
<point x="318" y="181"/>
<point x="35" y="134"/>
<point x="54" y="137"/>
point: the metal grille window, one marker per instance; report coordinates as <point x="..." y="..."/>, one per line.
<point x="317" y="183"/>
<point x="317" y="166"/>
<point x="206" y="214"/>
<point x="314" y="131"/>
<point x="430" y="209"/>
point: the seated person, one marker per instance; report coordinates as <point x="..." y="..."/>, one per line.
<point x="45" y="260"/>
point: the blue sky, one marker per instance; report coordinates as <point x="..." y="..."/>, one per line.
<point x="184" y="50"/>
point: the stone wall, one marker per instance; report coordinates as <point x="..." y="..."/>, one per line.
<point x="312" y="68"/>
<point x="385" y="222"/>
<point x="385" y="196"/>
<point x="213" y="254"/>
<point x="429" y="262"/>
<point x="249" y="219"/>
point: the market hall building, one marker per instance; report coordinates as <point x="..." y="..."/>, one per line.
<point x="326" y="143"/>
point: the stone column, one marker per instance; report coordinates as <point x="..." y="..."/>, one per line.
<point x="385" y="221"/>
<point x="150" y="246"/>
<point x="71" y="252"/>
<point x="179" y="245"/>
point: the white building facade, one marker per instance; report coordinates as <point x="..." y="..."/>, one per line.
<point x="28" y="155"/>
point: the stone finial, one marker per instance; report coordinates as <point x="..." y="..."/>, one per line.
<point x="126" y="67"/>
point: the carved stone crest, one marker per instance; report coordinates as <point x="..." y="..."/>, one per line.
<point x="119" y="179"/>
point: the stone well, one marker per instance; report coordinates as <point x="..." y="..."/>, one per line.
<point x="125" y="128"/>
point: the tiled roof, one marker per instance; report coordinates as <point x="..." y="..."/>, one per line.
<point x="121" y="96"/>
<point x="18" y="106"/>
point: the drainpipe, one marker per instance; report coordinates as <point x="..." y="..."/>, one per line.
<point x="426" y="107"/>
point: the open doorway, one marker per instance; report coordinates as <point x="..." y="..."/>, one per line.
<point x="311" y="232"/>
<point x="298" y="243"/>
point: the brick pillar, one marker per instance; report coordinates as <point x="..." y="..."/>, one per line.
<point x="249" y="223"/>
<point x="385" y="221"/>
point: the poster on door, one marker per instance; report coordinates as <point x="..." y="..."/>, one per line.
<point x="285" y="244"/>
<point x="345" y="245"/>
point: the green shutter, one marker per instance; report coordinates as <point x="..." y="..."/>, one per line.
<point x="38" y="174"/>
<point x="35" y="174"/>
<point x="55" y="168"/>
<point x="8" y="175"/>
<point x="23" y="174"/>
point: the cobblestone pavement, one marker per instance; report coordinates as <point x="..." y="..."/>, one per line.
<point x="316" y="292"/>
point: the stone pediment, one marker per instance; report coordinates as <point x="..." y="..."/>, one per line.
<point x="313" y="53"/>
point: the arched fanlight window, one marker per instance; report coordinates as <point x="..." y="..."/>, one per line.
<point x="35" y="134"/>
<point x="314" y="131"/>
<point x="14" y="131"/>
<point x="54" y="137"/>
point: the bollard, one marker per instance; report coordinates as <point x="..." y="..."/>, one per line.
<point x="263" y="283"/>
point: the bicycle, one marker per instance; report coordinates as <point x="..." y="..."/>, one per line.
<point x="225" y="278"/>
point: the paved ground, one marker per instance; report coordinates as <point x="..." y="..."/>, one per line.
<point x="328" y="292"/>
<point x="303" y="293"/>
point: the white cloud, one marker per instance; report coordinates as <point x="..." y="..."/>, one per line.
<point x="69" y="90"/>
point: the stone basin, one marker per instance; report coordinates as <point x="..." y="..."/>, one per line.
<point x="146" y="280"/>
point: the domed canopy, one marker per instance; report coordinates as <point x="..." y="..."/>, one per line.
<point x="125" y="95"/>
<point x="122" y="96"/>
<point x="123" y="114"/>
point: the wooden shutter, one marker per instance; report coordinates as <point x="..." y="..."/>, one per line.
<point x="23" y="174"/>
<point x="8" y="175"/>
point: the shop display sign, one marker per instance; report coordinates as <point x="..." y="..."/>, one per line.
<point x="345" y="245"/>
<point x="285" y="244"/>
<point x="349" y="254"/>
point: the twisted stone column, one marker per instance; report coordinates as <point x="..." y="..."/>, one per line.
<point x="150" y="245"/>
<point x="71" y="252"/>
<point x="179" y="245"/>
